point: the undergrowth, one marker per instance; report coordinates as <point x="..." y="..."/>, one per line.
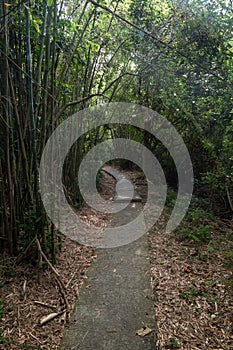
<point x="201" y="227"/>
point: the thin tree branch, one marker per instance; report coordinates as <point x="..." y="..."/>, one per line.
<point x="151" y="35"/>
<point x="76" y="102"/>
<point x="86" y="98"/>
<point x="229" y="198"/>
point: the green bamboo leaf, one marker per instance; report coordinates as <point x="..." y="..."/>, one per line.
<point x="50" y="2"/>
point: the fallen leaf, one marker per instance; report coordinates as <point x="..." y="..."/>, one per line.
<point x="22" y="340"/>
<point x="144" y="331"/>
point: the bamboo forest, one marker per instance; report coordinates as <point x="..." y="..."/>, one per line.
<point x="170" y="61"/>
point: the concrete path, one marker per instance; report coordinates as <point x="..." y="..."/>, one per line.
<point x="116" y="299"/>
<point x="124" y="187"/>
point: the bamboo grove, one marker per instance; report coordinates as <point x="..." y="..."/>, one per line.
<point x="58" y="57"/>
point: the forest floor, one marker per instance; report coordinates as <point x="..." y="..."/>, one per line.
<point x="192" y="283"/>
<point x="193" y="293"/>
<point x="29" y="294"/>
<point x="192" y="280"/>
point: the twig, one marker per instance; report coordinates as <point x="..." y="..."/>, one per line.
<point x="75" y="272"/>
<point x="60" y="283"/>
<point x="49" y="264"/>
<point x="49" y="306"/>
<point x="18" y="319"/>
<point x="34" y="337"/>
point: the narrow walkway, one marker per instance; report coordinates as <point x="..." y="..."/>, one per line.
<point x="115" y="300"/>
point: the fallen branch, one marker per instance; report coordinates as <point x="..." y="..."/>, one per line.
<point x="49" y="264"/>
<point x="60" y="283"/>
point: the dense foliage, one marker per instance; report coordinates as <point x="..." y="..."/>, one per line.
<point x="175" y="57"/>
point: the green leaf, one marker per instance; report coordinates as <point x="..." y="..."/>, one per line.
<point x="50" y="2"/>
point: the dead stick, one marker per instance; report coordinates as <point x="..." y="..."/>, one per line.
<point x="49" y="264"/>
<point x="50" y="317"/>
<point x="75" y="272"/>
<point x="60" y="283"/>
<point x="49" y="306"/>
